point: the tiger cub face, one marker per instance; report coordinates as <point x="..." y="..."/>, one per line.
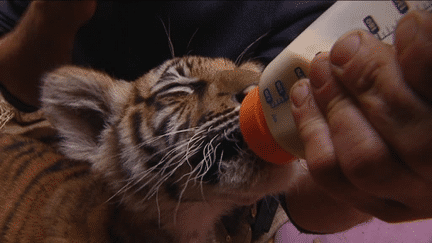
<point x="172" y="135"/>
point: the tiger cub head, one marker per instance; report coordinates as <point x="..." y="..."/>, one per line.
<point x="172" y="133"/>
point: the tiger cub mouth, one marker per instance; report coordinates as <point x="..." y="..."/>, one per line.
<point x="222" y="141"/>
<point x="223" y="144"/>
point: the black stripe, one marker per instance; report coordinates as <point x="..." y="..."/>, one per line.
<point x="138" y="99"/>
<point x="168" y="75"/>
<point x="154" y="161"/>
<point x="174" y="94"/>
<point x="159" y="106"/>
<point x="166" y="102"/>
<point x="49" y="139"/>
<point x="137" y="136"/>
<point x="23" y="151"/>
<point x="207" y="117"/>
<point x="183" y="126"/>
<point x="180" y="71"/>
<point x="148" y="149"/>
<point x="150" y="100"/>
<point x="26" y="163"/>
<point x="174" y="62"/>
<point x="196" y="158"/>
<point x="61" y="164"/>
<point x="136" y="123"/>
<point x="189" y="64"/>
<point x="162" y="128"/>
<point x="18" y="144"/>
<point x="199" y="87"/>
<point x="172" y="85"/>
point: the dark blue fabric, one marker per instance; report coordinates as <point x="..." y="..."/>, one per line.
<point x="127" y="38"/>
<point x="10" y="12"/>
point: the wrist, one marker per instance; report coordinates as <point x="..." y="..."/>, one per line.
<point x="312" y="210"/>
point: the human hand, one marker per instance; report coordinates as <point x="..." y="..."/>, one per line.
<point x="365" y="119"/>
<point x="42" y="40"/>
<point x="64" y="14"/>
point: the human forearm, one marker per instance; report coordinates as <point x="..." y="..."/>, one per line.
<point x="314" y="210"/>
<point x="42" y="40"/>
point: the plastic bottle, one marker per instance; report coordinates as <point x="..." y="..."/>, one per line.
<point x="265" y="115"/>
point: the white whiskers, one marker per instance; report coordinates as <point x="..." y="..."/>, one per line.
<point x="192" y="158"/>
<point x="238" y="60"/>
<point x="168" y="33"/>
<point x="190" y="40"/>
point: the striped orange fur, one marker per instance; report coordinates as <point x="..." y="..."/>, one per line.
<point x="29" y="178"/>
<point x="159" y="159"/>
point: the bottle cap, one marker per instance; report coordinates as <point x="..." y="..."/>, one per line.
<point x="255" y="132"/>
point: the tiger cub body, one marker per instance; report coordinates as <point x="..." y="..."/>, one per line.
<point x="160" y="159"/>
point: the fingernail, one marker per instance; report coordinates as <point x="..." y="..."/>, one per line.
<point x="303" y="164"/>
<point x="344" y="49"/>
<point x="406" y="32"/>
<point x="299" y="93"/>
<point x="320" y="67"/>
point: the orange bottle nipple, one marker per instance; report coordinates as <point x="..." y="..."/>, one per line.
<point x="255" y="132"/>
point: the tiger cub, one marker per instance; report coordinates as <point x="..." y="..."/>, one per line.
<point x="167" y="159"/>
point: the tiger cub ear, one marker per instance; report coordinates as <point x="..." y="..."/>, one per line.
<point x="79" y="103"/>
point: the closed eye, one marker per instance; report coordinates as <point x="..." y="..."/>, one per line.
<point x="176" y="91"/>
<point x="175" y="88"/>
<point x="175" y="81"/>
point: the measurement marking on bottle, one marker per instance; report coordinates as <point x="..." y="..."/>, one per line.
<point x="401" y="6"/>
<point x="427" y="5"/>
<point x="299" y="72"/>
<point x="371" y="24"/>
<point x="283" y="96"/>
<point x="383" y="32"/>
